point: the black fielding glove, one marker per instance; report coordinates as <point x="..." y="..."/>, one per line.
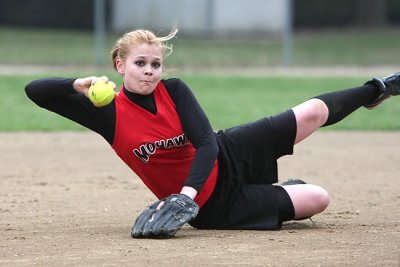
<point x="146" y="215"/>
<point x="178" y="209"/>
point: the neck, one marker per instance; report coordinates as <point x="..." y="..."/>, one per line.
<point x="145" y="101"/>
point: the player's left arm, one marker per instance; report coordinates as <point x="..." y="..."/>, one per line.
<point x="198" y="129"/>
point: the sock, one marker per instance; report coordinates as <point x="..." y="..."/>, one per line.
<point x="342" y="103"/>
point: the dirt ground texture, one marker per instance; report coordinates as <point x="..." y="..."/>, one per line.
<point x="66" y="199"/>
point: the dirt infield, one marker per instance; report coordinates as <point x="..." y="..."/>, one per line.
<point x="66" y="199"/>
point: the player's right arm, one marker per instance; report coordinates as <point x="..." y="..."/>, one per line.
<point x="67" y="97"/>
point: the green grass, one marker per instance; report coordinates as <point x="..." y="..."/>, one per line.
<point x="340" y="47"/>
<point x="20" y="46"/>
<point x="227" y="100"/>
<point x="18" y="113"/>
<point x="348" y="47"/>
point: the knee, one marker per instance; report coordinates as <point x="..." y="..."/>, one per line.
<point x="320" y="198"/>
<point x="312" y="113"/>
<point x="307" y="199"/>
<point x="318" y="111"/>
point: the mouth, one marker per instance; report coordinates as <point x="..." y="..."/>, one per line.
<point x="146" y="81"/>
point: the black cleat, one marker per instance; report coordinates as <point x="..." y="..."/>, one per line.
<point x="292" y="182"/>
<point x="389" y="86"/>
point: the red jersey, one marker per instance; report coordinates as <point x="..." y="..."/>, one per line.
<point x="155" y="146"/>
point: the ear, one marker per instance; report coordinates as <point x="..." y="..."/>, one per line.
<point x="120" y="66"/>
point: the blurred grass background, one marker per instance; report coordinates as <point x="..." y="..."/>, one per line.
<point x="311" y="48"/>
<point x="228" y="99"/>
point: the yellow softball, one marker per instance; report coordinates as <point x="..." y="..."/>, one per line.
<point x="101" y="93"/>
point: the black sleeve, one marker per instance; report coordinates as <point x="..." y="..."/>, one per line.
<point x="198" y="130"/>
<point x="59" y="96"/>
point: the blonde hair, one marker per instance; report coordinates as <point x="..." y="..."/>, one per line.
<point x="123" y="45"/>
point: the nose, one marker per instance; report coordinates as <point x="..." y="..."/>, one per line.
<point x="148" y="71"/>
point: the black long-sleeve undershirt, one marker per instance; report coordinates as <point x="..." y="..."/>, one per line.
<point x="58" y="95"/>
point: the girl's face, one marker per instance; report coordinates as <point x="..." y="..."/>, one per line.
<point x="142" y="68"/>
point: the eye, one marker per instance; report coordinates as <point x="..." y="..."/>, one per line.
<point x="140" y="63"/>
<point x="156" y="64"/>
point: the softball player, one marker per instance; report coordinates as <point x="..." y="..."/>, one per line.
<point x="223" y="180"/>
